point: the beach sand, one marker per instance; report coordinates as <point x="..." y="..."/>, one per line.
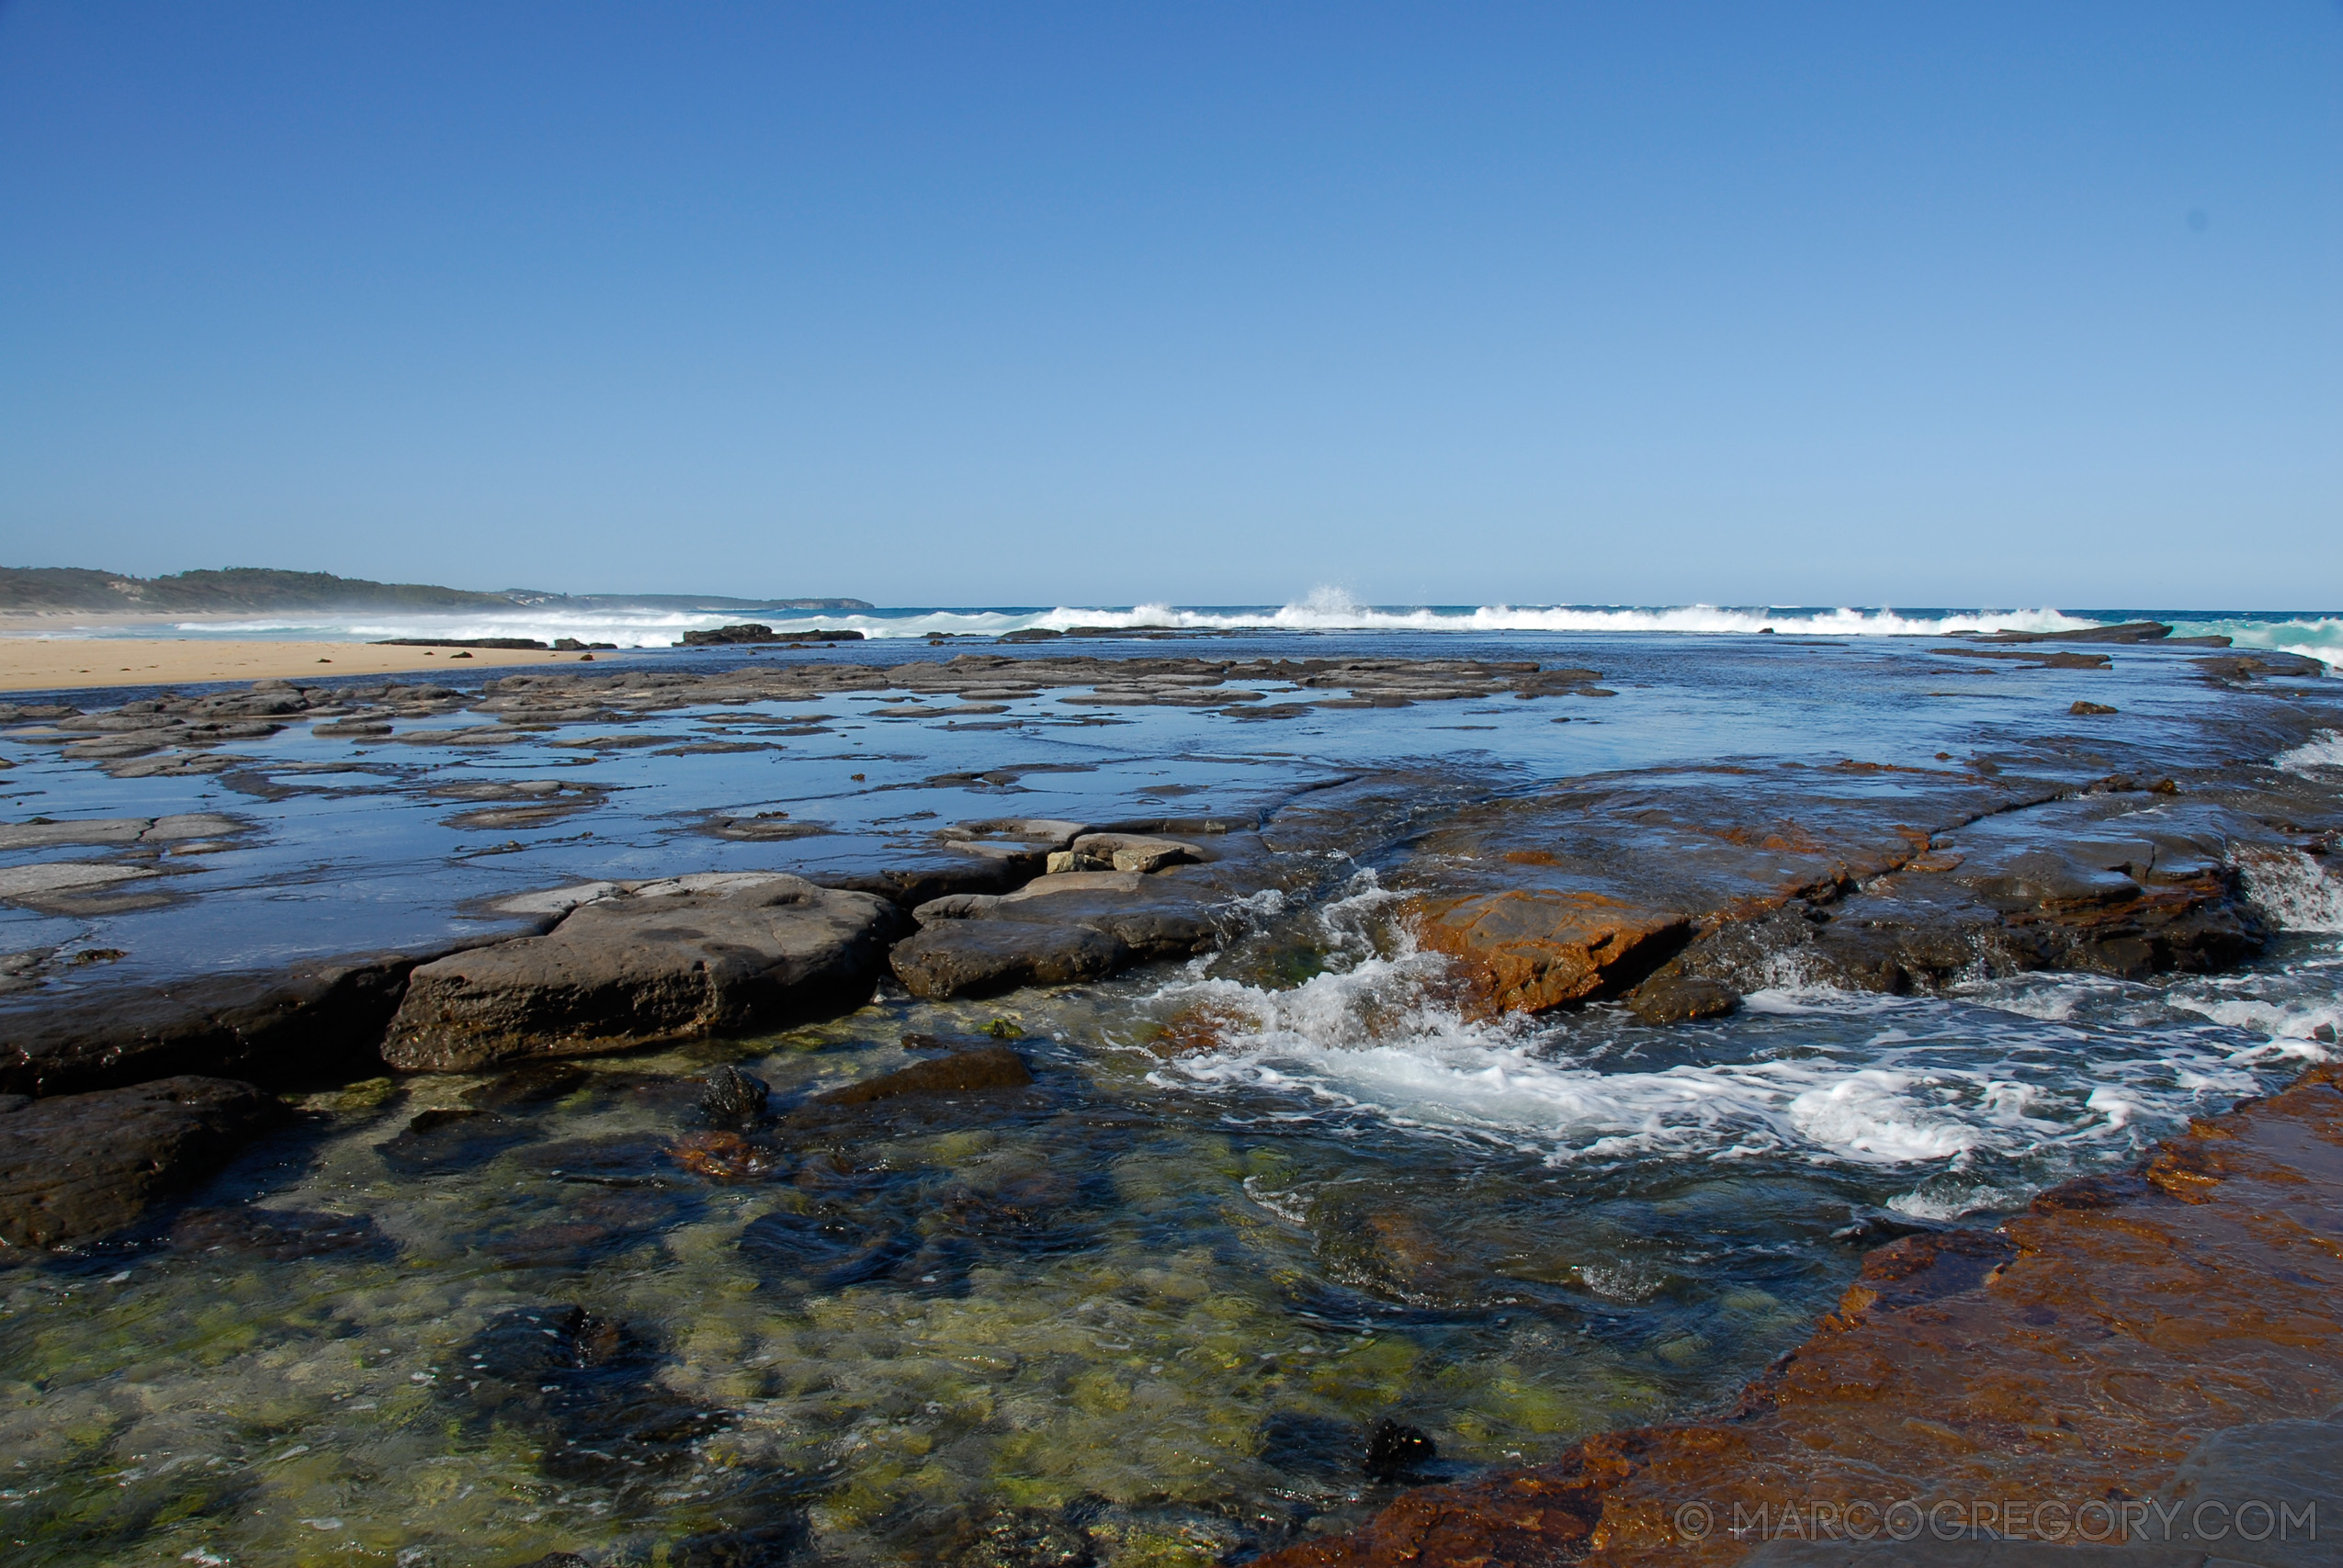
<point x="38" y="664"/>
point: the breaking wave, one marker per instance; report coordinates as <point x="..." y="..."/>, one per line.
<point x="2294" y="891"/>
<point x="2321" y="753"/>
<point x="2307" y="637"/>
<point x="1325" y="609"/>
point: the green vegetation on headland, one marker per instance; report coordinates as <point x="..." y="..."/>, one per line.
<point x="248" y="588"/>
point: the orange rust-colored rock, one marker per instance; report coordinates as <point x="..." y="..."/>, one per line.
<point x="1530" y="951"/>
<point x="2071" y="1356"/>
<point x="725" y="1156"/>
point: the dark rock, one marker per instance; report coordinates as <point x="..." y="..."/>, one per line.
<point x="984" y="957"/>
<point x="2127" y="631"/>
<point x="2090" y="710"/>
<point x="1394" y="1449"/>
<point x="987" y="1068"/>
<point x="1681" y="998"/>
<point x="80" y="1166"/>
<point x="922" y="879"/>
<point x="1875" y="1227"/>
<point x="1381" y="1246"/>
<point x="752" y="632"/>
<point x="671" y="961"/>
<point x="318" y="1024"/>
<point x="1055" y="930"/>
<point x="733" y="1098"/>
<point x="2243" y="667"/>
<point x="2324" y="1034"/>
<point x="520" y="643"/>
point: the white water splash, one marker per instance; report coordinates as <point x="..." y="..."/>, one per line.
<point x="2305" y="636"/>
<point x="1372" y="1033"/>
<point x="2322" y="753"/>
<point x="2292" y="890"/>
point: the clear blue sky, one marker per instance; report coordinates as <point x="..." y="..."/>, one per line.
<point x="1929" y="304"/>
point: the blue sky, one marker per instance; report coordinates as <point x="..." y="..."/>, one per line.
<point x="1097" y="303"/>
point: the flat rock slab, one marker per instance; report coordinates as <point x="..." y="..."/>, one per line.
<point x="315" y="1023"/>
<point x="665" y="962"/>
<point x="82" y="1166"/>
<point x="33" y="884"/>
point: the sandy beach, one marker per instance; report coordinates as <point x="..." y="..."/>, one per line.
<point x="40" y="664"/>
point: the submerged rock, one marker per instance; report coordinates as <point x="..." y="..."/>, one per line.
<point x="1394" y="1449"/>
<point x="280" y="1235"/>
<point x="663" y="962"/>
<point x="441" y="1142"/>
<point x="733" y="1098"/>
<point x="78" y="1166"/>
<point x="584" y="1384"/>
<point x="828" y="1246"/>
<point x="986" y="1067"/>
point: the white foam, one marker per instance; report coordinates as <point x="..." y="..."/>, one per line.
<point x="1332" y="609"/>
<point x="1932" y="1201"/>
<point x="1374" y="1036"/>
<point x="2321" y="752"/>
<point x="2292" y="890"/>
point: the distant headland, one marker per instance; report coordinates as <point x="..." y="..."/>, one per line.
<point x="247" y="589"/>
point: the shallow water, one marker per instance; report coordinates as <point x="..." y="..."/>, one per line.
<point x="1145" y="1308"/>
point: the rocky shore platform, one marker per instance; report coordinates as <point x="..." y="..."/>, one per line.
<point x="270" y="911"/>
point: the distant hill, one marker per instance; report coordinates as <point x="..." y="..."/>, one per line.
<point x="250" y="588"/>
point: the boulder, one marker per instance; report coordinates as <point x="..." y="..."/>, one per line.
<point x="1053" y="931"/>
<point x="77" y="1166"/>
<point x="678" y="960"/>
<point x="984" y="957"/>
